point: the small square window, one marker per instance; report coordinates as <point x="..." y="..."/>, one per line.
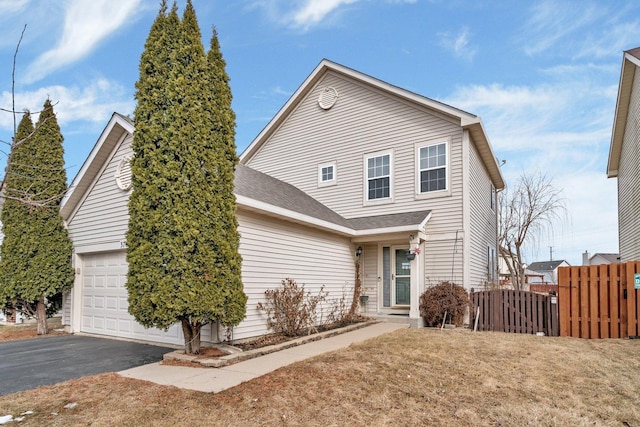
<point x="327" y="174"/>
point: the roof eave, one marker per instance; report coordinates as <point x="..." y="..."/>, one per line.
<point x="93" y="164"/>
<point x="479" y="135"/>
<point x="289" y="106"/>
<point x="253" y="205"/>
<point x="625" y="86"/>
<point x="326" y="66"/>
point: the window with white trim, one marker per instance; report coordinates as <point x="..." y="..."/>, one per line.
<point x="493" y="197"/>
<point x="491" y="264"/>
<point x="432" y="168"/>
<point x="378" y="177"/>
<point x="327" y="174"/>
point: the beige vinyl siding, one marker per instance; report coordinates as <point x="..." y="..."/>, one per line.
<point x="443" y="261"/>
<point x="66" y="308"/>
<point x="369" y="277"/>
<point x="273" y="250"/>
<point x="482" y="232"/>
<point x="629" y="180"/>
<point x="103" y="216"/>
<point x="364" y="120"/>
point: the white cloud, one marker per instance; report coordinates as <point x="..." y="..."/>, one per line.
<point x="314" y="11"/>
<point x="12" y="6"/>
<point x="549" y="116"/>
<point x="551" y="21"/>
<point x="94" y="103"/>
<point x="458" y="44"/>
<point x="563" y="129"/>
<point x="592" y="222"/>
<point x="306" y="14"/>
<point x="85" y="25"/>
<point x="606" y="29"/>
<point x="615" y="38"/>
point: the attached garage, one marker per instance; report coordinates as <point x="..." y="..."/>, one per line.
<point x="104" y="301"/>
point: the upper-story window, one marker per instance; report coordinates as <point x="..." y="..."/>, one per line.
<point x="327" y="174"/>
<point x="379" y="182"/>
<point x="432" y="167"/>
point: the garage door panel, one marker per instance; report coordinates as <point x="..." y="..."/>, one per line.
<point x="111" y="303"/>
<point x="98" y="282"/>
<point x="87" y="322"/>
<point x="87" y="302"/>
<point x="105" y="301"/>
<point x="111" y="324"/>
<point x="98" y="302"/>
<point x="125" y="326"/>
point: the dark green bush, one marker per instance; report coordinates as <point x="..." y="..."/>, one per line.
<point x="444" y="297"/>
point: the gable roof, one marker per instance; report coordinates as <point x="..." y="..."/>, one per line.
<point x="612" y="258"/>
<point x="467" y="121"/>
<point x="630" y="60"/>
<point x="254" y="190"/>
<point x="117" y="128"/>
<point x="545" y="265"/>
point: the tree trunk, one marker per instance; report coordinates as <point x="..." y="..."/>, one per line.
<point x="357" y="291"/>
<point x="191" y="332"/>
<point x="41" y="317"/>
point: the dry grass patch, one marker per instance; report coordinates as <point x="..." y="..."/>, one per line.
<point x="25" y="331"/>
<point x="411" y="377"/>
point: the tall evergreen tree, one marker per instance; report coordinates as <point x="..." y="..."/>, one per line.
<point x="223" y="123"/>
<point x="182" y="266"/>
<point x="36" y="251"/>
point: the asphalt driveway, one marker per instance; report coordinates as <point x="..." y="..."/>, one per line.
<point x="28" y="364"/>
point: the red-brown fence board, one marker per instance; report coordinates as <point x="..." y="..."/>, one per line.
<point x="599" y="301"/>
<point x="505" y="310"/>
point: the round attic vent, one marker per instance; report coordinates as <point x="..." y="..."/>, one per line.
<point x="328" y="98"/>
<point x="123" y="174"/>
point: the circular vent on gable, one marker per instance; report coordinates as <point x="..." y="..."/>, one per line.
<point x="123" y="174"/>
<point x="328" y="98"/>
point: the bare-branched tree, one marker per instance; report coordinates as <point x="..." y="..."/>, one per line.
<point x="35" y="266"/>
<point x="19" y="195"/>
<point x="527" y="209"/>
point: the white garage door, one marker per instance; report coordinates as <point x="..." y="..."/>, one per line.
<point x="104" y="301"/>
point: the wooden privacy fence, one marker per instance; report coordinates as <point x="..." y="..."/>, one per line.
<point x="598" y="301"/>
<point x="507" y="310"/>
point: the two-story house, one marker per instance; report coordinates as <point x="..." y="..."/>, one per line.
<point x="350" y="169"/>
<point x="624" y="156"/>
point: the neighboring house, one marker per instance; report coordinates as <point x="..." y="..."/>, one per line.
<point x="544" y="272"/>
<point x="599" y="258"/>
<point x="349" y="164"/>
<point x="624" y="156"/>
<point x="504" y="274"/>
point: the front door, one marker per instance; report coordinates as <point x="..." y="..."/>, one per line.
<point x="401" y="277"/>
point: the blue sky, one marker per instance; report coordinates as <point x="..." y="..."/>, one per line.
<point x="542" y="75"/>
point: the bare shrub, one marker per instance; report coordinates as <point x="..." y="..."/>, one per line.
<point x="445" y="297"/>
<point x="290" y="310"/>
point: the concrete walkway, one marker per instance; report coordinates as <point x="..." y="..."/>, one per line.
<point x="219" y="379"/>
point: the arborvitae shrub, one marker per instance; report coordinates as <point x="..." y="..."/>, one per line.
<point x="444" y="297"/>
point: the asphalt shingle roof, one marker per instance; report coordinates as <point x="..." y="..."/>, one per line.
<point x="544" y="265"/>
<point x="264" y="188"/>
